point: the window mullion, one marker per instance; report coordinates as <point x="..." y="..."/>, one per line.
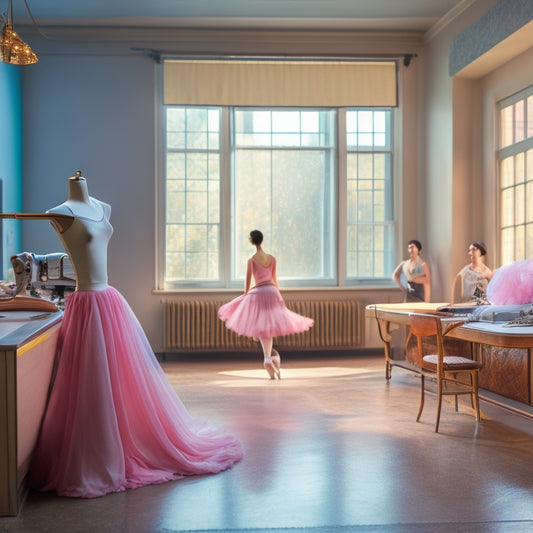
<point x="341" y="192"/>
<point x="226" y="201"/>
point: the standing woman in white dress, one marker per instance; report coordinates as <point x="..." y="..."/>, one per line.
<point x="474" y="278"/>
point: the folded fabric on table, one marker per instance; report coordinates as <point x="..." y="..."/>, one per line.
<point x="500" y="313"/>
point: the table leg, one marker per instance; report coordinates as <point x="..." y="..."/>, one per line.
<point x="384" y="333"/>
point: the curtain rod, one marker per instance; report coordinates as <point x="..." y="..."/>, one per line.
<point x="159" y="55"/>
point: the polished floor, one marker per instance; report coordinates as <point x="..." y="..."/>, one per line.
<point x="332" y="447"/>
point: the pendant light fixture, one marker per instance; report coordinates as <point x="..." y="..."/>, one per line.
<point x="13" y="49"/>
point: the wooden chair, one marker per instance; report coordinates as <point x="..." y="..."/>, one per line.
<point x="457" y="289"/>
<point x="446" y="370"/>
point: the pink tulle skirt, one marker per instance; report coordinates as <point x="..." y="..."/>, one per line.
<point x="261" y="313"/>
<point x="512" y="284"/>
<point x="113" y="421"/>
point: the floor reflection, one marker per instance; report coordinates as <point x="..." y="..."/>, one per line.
<point x="331" y="445"/>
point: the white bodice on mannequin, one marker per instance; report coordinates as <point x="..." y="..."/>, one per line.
<point x="86" y="239"/>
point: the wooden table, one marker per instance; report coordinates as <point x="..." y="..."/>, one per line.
<point x="27" y="351"/>
<point x="506" y="352"/>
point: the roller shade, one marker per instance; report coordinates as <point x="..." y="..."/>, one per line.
<point x="280" y="83"/>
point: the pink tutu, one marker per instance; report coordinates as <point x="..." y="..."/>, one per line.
<point x="261" y="313"/>
<point x="512" y="284"/>
<point x="114" y="422"/>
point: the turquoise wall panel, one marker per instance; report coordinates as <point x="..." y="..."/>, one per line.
<point x="10" y="161"/>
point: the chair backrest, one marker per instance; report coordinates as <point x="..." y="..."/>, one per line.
<point x="425" y="325"/>
<point x="457" y="289"/>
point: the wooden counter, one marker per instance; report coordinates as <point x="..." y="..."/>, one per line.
<point x="28" y="341"/>
<point x="505" y="351"/>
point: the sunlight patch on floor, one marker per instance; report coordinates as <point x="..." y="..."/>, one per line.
<point x="257" y="376"/>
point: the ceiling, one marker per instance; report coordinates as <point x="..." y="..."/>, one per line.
<point x="359" y="15"/>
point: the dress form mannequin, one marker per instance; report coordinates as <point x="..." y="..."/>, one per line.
<point x="113" y="420"/>
<point x="86" y="236"/>
<point x="78" y="201"/>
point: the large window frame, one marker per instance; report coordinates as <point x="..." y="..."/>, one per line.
<point x="515" y="173"/>
<point x="339" y="248"/>
<point x="285" y="84"/>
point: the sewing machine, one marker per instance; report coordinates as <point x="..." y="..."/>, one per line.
<point x="50" y="272"/>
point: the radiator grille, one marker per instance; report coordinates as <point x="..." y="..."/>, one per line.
<point x="194" y="325"/>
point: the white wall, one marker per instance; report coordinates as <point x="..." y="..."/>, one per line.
<point x="461" y="141"/>
<point x="92" y="107"/>
<point x="96" y="114"/>
<point x="451" y="158"/>
<point x="510" y="78"/>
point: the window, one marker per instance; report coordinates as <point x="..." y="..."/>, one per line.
<point x="370" y="227"/>
<point x="515" y="158"/>
<point x="233" y="169"/>
<point x="284" y="185"/>
<point x="192" y="195"/>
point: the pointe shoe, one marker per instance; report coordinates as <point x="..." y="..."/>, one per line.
<point x="276" y="361"/>
<point x="269" y="367"/>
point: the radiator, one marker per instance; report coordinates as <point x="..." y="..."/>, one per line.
<point x="194" y="325"/>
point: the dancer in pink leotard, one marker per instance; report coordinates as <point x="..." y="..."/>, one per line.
<point x="260" y="312"/>
<point x="113" y="421"/>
